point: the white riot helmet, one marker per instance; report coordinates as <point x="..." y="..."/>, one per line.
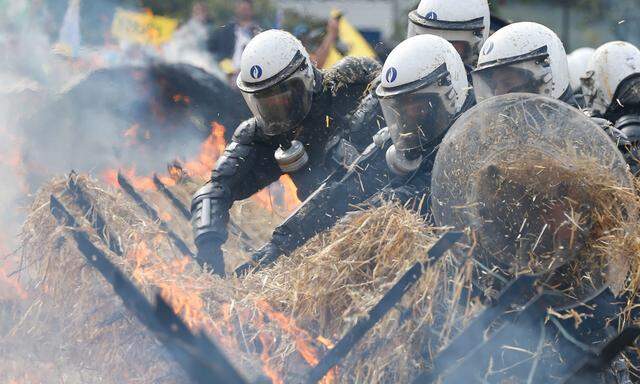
<point x="277" y="80"/>
<point x="522" y="57"/>
<point x="423" y="87"/>
<point x="464" y="23"/>
<point x="613" y="77"/>
<point x="578" y="61"/>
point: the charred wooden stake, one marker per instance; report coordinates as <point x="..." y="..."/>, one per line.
<point x="169" y="195"/>
<point x="390" y="299"/>
<point x="153" y="214"/>
<point x="200" y="358"/>
<point x="586" y="370"/>
<point x="82" y="200"/>
<point x="467" y="356"/>
<point x="235" y="229"/>
<point x="518" y="292"/>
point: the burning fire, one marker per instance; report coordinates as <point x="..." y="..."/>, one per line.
<point x="142" y="183"/>
<point x="181" y="98"/>
<point x="280" y="196"/>
<point x="210" y="151"/>
<point x="185" y="295"/>
<point x="303" y="340"/>
<point x="185" y="298"/>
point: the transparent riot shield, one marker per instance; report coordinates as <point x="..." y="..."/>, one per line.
<point x="531" y="178"/>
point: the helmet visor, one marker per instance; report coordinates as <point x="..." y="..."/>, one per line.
<point x="466" y="42"/>
<point x="415" y="119"/>
<point x="466" y="36"/>
<point x="526" y="77"/>
<point x="283" y="106"/>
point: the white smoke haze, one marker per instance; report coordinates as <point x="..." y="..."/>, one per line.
<point x="90" y="109"/>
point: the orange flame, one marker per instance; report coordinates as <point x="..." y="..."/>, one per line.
<point x="281" y="195"/>
<point x="267" y="340"/>
<point x="178" y="98"/>
<point x="149" y="269"/>
<point x="141" y="183"/>
<point x="303" y="340"/>
<point x="185" y="299"/>
<point x="284" y="192"/>
<point x="210" y="151"/>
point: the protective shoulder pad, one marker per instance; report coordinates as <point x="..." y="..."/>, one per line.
<point x="351" y="71"/>
<point x="246" y="132"/>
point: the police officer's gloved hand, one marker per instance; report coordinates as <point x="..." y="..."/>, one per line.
<point x="210" y="252"/>
<point x="264" y="256"/>
<point x="209" y="218"/>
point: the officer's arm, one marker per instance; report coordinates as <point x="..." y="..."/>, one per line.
<point x="365" y="122"/>
<point x="359" y="77"/>
<point x="325" y="206"/>
<point x="246" y="166"/>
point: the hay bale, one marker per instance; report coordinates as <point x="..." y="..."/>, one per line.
<point x="75" y="310"/>
<point x="275" y="322"/>
<point x="265" y="323"/>
<point x="326" y="285"/>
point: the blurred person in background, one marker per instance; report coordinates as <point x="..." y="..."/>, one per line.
<point x="189" y="42"/>
<point x="578" y="60"/>
<point x="317" y="41"/>
<point x="228" y="41"/>
<point x="197" y="28"/>
<point x="319" y="55"/>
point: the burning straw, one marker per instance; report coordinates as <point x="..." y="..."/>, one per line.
<point x="339" y="275"/>
<point x="280" y="321"/>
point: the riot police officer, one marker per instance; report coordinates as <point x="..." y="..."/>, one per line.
<point x="523" y="57"/>
<point x="464" y="23"/>
<point x="611" y="88"/>
<point x="303" y="125"/>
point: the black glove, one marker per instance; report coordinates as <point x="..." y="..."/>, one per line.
<point x="210" y="253"/>
<point x="264" y="256"/>
<point x="209" y="218"/>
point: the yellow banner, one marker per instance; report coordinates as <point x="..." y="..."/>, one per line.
<point x="142" y="28"/>
<point x="349" y="36"/>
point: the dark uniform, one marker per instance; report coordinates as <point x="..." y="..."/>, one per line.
<point x="368" y="180"/>
<point x="622" y="124"/>
<point x="340" y="124"/>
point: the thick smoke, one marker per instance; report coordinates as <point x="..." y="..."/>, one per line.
<point x="91" y="108"/>
<point x="91" y="104"/>
<point x="74" y="98"/>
